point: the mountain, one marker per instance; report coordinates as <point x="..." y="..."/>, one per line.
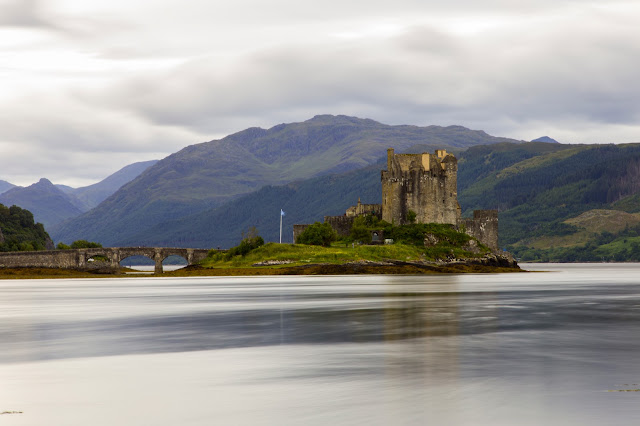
<point x="303" y="202"/>
<point x="47" y="202"/>
<point x="93" y="195"/>
<point x="5" y="186"/>
<point x="545" y="139"/>
<point x="52" y="204"/>
<point x="18" y="232"/>
<point x="207" y="175"/>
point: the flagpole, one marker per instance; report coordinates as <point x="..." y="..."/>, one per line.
<point x="280" y="226"/>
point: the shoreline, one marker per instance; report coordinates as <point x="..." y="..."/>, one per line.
<point x="350" y="268"/>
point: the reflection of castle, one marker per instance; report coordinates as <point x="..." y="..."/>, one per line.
<point x="425" y="186"/>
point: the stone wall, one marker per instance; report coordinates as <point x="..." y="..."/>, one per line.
<point x="426" y="184"/>
<point x="297" y="230"/>
<point x="341" y="224"/>
<point x="67" y="259"/>
<point x="483" y="226"/>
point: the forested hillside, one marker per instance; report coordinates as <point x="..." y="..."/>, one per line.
<point x="303" y="202"/>
<point x="18" y="232"/>
<point x="538" y="198"/>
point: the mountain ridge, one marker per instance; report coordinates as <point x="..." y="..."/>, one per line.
<point x="51" y="204"/>
<point x="48" y="203"/>
<point x="5" y="186"/>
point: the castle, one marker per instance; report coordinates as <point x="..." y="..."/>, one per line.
<point x="420" y="188"/>
<point x="425" y="184"/>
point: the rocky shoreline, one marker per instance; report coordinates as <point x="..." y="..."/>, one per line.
<point x="490" y="263"/>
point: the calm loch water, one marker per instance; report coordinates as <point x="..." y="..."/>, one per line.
<point x="554" y="348"/>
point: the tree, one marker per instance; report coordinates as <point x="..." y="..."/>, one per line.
<point x="318" y="234"/>
<point x="250" y="241"/>
<point x="78" y="244"/>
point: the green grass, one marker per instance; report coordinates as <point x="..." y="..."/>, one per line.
<point x="300" y="254"/>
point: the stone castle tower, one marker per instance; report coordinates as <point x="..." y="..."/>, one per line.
<point x="426" y="184"/>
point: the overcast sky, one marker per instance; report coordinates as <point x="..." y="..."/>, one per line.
<point x="89" y="86"/>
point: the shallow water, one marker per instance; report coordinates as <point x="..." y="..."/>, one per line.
<point x="500" y="349"/>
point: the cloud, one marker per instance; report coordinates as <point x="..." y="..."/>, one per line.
<point x="569" y="70"/>
<point x="22" y="13"/>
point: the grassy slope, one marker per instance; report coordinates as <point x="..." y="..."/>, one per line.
<point x="300" y="254"/>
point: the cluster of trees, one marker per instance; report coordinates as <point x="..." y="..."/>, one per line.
<point x="78" y="244"/>
<point x="251" y="240"/>
<point x="19" y="232"/>
<point x="318" y="234"/>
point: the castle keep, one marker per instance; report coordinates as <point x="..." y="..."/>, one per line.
<point x="425" y="185"/>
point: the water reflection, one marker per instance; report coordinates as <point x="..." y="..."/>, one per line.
<point x="524" y="349"/>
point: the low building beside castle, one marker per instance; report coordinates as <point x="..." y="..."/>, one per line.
<point x="342" y="224"/>
<point x="420" y="188"/>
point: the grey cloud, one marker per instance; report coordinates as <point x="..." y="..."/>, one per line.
<point x="574" y="70"/>
<point x="22" y="13"/>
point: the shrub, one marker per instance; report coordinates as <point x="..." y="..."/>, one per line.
<point x="318" y="234"/>
<point x="411" y="216"/>
<point x="78" y="244"/>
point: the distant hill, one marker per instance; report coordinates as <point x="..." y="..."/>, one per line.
<point x="207" y="175"/>
<point x="545" y="139"/>
<point x="49" y="204"/>
<point x="52" y="204"/>
<point x="18" y="232"/>
<point x="93" y="195"/>
<point x="5" y="186"/>
<point x="303" y="202"/>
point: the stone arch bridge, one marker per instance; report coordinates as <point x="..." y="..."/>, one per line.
<point x="80" y="258"/>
